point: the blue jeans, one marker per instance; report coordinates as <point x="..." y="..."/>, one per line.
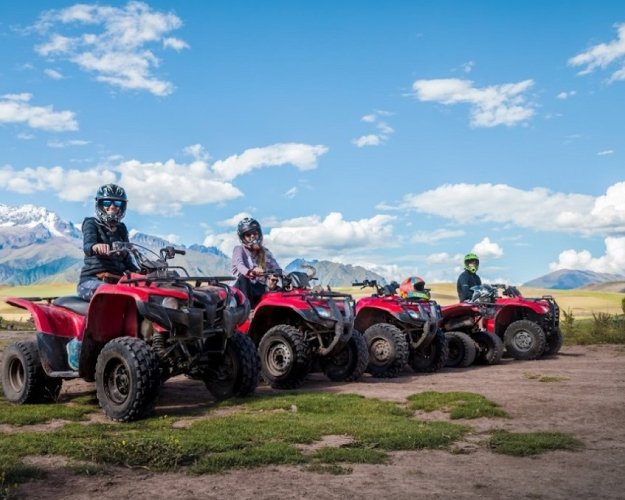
<point x="87" y="287"/>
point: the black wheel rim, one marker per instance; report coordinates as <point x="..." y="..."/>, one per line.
<point x="117" y="381"/>
<point x="278" y="358"/>
<point x="17" y="375"/>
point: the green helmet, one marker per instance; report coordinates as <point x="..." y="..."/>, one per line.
<point x="471" y="262"/>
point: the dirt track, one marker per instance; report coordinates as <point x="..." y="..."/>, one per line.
<point x="590" y="403"/>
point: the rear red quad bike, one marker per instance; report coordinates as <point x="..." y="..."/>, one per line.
<point x="299" y="329"/>
<point x="468" y="340"/>
<point x="135" y="334"/>
<point x="400" y="331"/>
<point x="529" y="327"/>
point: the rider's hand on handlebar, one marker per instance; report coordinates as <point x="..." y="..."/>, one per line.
<point x="258" y="271"/>
<point x="100" y="248"/>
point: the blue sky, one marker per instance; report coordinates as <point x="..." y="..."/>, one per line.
<point x="395" y="135"/>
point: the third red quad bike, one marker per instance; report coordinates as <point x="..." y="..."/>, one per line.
<point x="399" y="331"/>
<point x="135" y="334"/>
<point x="529" y="327"/>
<point x="299" y="329"/>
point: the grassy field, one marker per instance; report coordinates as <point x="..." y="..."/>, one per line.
<point x="582" y="303"/>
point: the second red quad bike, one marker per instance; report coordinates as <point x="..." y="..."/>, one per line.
<point x="399" y="331"/>
<point x="299" y="329"/>
<point x="135" y="334"/>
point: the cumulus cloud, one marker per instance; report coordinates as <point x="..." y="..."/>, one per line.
<point x="487" y="249"/>
<point x="566" y="95"/>
<point x="491" y="106"/>
<point x="16" y="108"/>
<point x="234" y="220"/>
<point x="602" y="55"/>
<point x="197" y="152"/>
<point x="613" y="261"/>
<point x="149" y="184"/>
<point x="538" y="208"/>
<point x="113" y="43"/>
<point x="53" y="74"/>
<point x="302" y="156"/>
<point x="384" y="130"/>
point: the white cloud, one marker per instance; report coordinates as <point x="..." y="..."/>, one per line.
<point x="368" y="140"/>
<point x="490" y="106"/>
<point x="603" y="55"/>
<point x="197" y="152"/>
<point x="487" y="249"/>
<point x="16" y="108"/>
<point x="52" y="73"/>
<point x="114" y="42"/>
<point x="64" y="144"/>
<point x="612" y="262"/>
<point x="291" y="193"/>
<point x="234" y="220"/>
<point x="605" y="152"/>
<point x="566" y="95"/>
<point x="302" y="156"/>
<point x="538" y="208"/>
<point x="369" y="118"/>
<point x="468" y="66"/>
<point x="437" y="235"/>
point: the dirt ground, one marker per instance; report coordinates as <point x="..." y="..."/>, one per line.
<point x="588" y="401"/>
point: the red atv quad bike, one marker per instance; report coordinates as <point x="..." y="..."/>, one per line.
<point x="468" y="340"/>
<point x="135" y="334"/>
<point x="400" y="331"/>
<point x="299" y="329"/>
<point x="529" y="327"/>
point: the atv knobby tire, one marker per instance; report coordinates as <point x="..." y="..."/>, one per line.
<point x="553" y="343"/>
<point x="388" y="350"/>
<point x="236" y="373"/>
<point x="432" y="357"/>
<point x="489" y="348"/>
<point x="524" y="340"/>
<point x="23" y="378"/>
<point x="461" y="350"/>
<point x="127" y="379"/>
<point x="285" y="357"/>
<point x="350" y="362"/>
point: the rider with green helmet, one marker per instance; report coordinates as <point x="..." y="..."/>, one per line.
<point x="468" y="278"/>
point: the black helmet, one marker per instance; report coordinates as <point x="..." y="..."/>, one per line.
<point x="248" y="225"/>
<point x="114" y="194"/>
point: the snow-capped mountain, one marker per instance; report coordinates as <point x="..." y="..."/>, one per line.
<point x="32" y="217"/>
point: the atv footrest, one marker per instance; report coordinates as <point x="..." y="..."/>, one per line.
<point x="65" y="374"/>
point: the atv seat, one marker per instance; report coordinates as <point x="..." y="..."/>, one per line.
<point x="73" y="303"/>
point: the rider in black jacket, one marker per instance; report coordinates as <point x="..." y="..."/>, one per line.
<point x="99" y="233"/>
<point x="468" y="278"/>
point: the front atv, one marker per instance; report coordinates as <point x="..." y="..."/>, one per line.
<point x="400" y="331"/>
<point x="300" y="329"/>
<point x="136" y="334"/>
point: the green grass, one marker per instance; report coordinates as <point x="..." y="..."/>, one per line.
<point x="532" y="443"/>
<point x="73" y="410"/>
<point x="260" y="431"/>
<point x="457" y="404"/>
<point x="600" y="329"/>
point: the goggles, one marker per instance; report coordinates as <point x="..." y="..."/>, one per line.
<point x="114" y="203"/>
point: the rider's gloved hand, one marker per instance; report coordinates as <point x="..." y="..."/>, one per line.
<point x="100" y="248"/>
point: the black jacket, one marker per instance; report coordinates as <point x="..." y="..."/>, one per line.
<point x="466" y="280"/>
<point x="94" y="232"/>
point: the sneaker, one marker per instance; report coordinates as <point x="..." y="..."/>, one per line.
<point x="73" y="353"/>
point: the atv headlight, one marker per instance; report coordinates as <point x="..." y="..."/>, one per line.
<point x="324" y="313"/>
<point x="164" y="301"/>
<point x="413" y="314"/>
<point x="232" y="302"/>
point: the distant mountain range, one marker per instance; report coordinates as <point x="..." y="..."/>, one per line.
<point x="566" y="279"/>
<point x="37" y="246"/>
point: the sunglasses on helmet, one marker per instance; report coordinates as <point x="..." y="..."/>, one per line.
<point x="115" y="203"/>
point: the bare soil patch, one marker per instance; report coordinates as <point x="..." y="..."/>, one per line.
<point x="587" y="400"/>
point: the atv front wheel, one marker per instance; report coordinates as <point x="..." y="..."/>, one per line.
<point x="432" y="357"/>
<point x="348" y="364"/>
<point x="285" y="357"/>
<point x="236" y="373"/>
<point x="461" y="350"/>
<point x="23" y="378"/>
<point x="553" y="343"/>
<point x="388" y="350"/>
<point x="489" y="348"/>
<point x="524" y="340"/>
<point x="127" y="379"/>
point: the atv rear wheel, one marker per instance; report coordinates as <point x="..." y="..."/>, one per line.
<point x="388" y="350"/>
<point x="23" y="378"/>
<point x="489" y="348"/>
<point x="524" y="340"/>
<point x="461" y="350"/>
<point x="127" y="379"/>
<point x="348" y="364"/>
<point x="237" y="371"/>
<point x="553" y="343"/>
<point x="432" y="357"/>
<point x="285" y="357"/>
